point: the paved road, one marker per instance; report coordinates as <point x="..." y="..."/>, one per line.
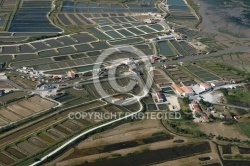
<point x="233" y="106"/>
<point x="65" y="145"/>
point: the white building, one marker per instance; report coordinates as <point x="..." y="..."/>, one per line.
<point x="165" y="37"/>
<point x="160" y="97"/>
<point x="218" y="83"/>
<point x="205" y="86"/>
<point x="117" y="99"/>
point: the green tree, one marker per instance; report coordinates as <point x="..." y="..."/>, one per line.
<point x="186" y="100"/>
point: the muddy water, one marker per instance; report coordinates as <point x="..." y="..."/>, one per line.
<point x="55" y="134"/>
<point x="25" y="146"/>
<point x="15" y="153"/>
<point x="46" y="138"/>
<point x="37" y="142"/>
<point x="62" y="130"/>
<point x="71" y="126"/>
<point x="84" y="122"/>
<point x="6" y="159"/>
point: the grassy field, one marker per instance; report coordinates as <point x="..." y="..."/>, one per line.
<point x="244" y="126"/>
<point x="212" y="43"/>
<point x="202" y="74"/>
<point x="239" y="96"/>
<point x="243" y="95"/>
<point x="183" y="105"/>
<point x="237" y="60"/>
<point x="227" y="31"/>
<point x="186" y="22"/>
<point x="223" y="70"/>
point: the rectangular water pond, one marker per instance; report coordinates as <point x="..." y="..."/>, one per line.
<point x="127" y="41"/>
<point x="85" y="68"/>
<point x="98" y="34"/>
<point x="165" y="48"/>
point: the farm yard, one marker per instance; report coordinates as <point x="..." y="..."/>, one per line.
<point x="166" y="49"/>
<point x="178" y="48"/>
<point x="202" y="73"/>
<point x="3" y="18"/>
<point x="5" y="85"/>
<point x="177" y="75"/>
<point x="135" y="40"/>
<point x="89" y="92"/>
<point x="23" y="108"/>
<point x="74" y="50"/>
<point x="77" y="51"/>
<point x="172" y="48"/>
<point x="180" y="13"/>
<point x="49" y="50"/>
<point x="122" y="27"/>
<point x="79" y="61"/>
<point x="7" y="7"/>
<point x="89" y="14"/>
<point x="74" y="19"/>
<point x="32" y="17"/>
<point x="135" y="140"/>
<point x="48" y="44"/>
<point x="187" y="31"/>
<point x="183" y="18"/>
<point x="224" y="70"/>
<point x="57" y="128"/>
<point x="108" y="89"/>
<point x="229" y="152"/>
<point x="42" y="140"/>
<point x="159" y="77"/>
<point x="237" y="60"/>
<point x="145" y="48"/>
<point x="243" y="127"/>
<point x="91" y="7"/>
<point x="11" y="96"/>
<point x="189" y="49"/>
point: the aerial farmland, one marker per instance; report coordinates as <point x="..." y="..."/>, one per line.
<point x="125" y="82"/>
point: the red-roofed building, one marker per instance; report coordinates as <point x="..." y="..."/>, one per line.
<point x="187" y="91"/>
<point x="71" y="74"/>
<point x="204" y="118"/>
<point x="197" y="110"/>
<point x="177" y="88"/>
<point x="58" y="76"/>
<point x="195" y="107"/>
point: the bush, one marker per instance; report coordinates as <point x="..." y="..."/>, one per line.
<point x="212" y="117"/>
<point x="241" y="111"/>
<point x="199" y="133"/>
<point x="224" y="91"/>
<point x="116" y="155"/>
<point x="205" y="103"/>
<point x="230" y="122"/>
<point x="186" y="100"/>
<point x="228" y="157"/>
